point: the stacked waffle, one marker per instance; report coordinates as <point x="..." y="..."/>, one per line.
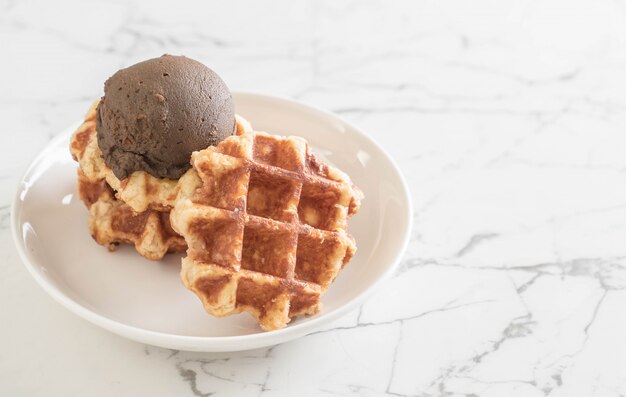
<point x="135" y="210"/>
<point x="263" y="221"/>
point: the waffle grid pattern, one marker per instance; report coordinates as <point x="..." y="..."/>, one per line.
<point x="265" y="224"/>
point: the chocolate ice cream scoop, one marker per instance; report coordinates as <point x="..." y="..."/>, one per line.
<point x="155" y="113"/>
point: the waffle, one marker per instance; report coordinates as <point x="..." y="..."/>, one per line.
<point x="112" y="220"/>
<point x="265" y="224"/>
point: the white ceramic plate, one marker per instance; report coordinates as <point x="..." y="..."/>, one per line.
<point x="146" y="301"/>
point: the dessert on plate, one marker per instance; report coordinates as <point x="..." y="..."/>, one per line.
<point x="166" y="164"/>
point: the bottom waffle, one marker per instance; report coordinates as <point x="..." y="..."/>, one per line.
<point x="112" y="222"/>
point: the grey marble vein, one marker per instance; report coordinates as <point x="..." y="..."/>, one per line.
<point x="5" y="216"/>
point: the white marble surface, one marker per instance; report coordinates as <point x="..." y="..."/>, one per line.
<point x="507" y="118"/>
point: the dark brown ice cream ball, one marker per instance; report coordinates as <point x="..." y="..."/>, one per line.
<point x="155" y="113"/>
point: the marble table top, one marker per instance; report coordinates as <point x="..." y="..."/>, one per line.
<point x="507" y="119"/>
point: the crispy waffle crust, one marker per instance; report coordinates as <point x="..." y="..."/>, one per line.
<point x="112" y="222"/>
<point x="134" y="211"/>
<point x="265" y="224"/>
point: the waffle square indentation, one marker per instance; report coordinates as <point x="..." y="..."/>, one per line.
<point x="216" y="240"/>
<point x="269" y="248"/>
<point x="224" y="180"/>
<point x="271" y="196"/>
<point x="321" y="206"/>
<point x="319" y="257"/>
<point x="285" y="153"/>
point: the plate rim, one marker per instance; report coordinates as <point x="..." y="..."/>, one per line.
<point x="211" y="343"/>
